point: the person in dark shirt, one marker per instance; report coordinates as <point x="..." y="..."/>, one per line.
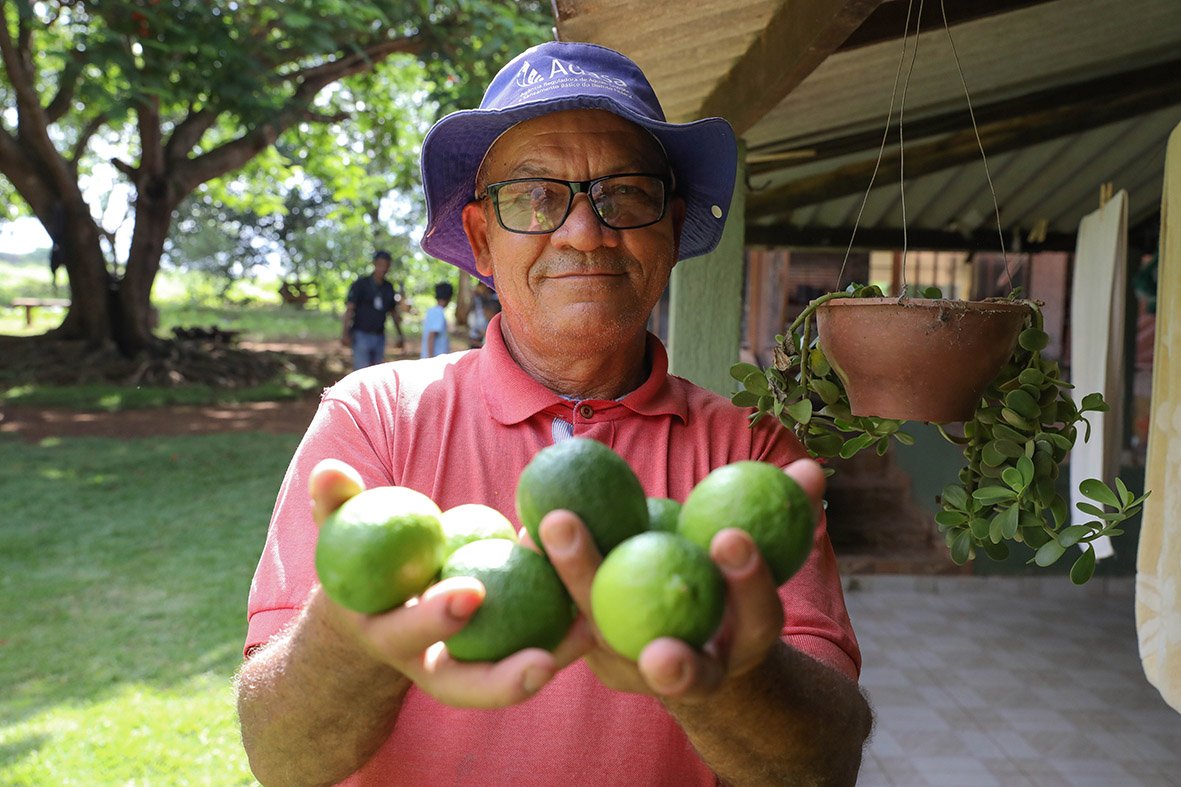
<point x="369" y="300"/>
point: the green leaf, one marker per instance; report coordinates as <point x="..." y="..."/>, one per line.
<point x="756" y="383"/>
<point x="997" y="551"/>
<point x="990" y="495"/>
<point x="828" y="391"/>
<point x="955" y="496"/>
<point x="1002" y="432"/>
<point x="856" y="444"/>
<point x="904" y="438"/>
<point x="1033" y="339"/>
<point x="1070" y="536"/>
<point x="1049" y="553"/>
<point x="1014" y="419"/>
<point x="1097" y="490"/>
<point x="745" y="399"/>
<point x="991" y="455"/>
<point x="1023" y="404"/>
<point x="961" y="547"/>
<point x="1083" y="568"/>
<point x="740" y="371"/>
<point x="825" y="445"/>
<point x="1031" y="376"/>
<point x="1060" y="510"/>
<point x="1010" y="449"/>
<point x="979" y="527"/>
<point x="1125" y="495"/>
<point x="951" y="518"/>
<point x="818" y="362"/>
<point x="1013" y="477"/>
<point x="1026" y="469"/>
<point x="801" y="411"/>
<point x="1094" y="401"/>
<point x="934" y="293"/>
<point x="1090" y="508"/>
<point x="1009" y="519"/>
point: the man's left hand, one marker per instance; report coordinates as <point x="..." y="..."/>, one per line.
<point x="669" y="667"/>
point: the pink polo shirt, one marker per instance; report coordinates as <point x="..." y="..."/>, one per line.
<point x="460" y="428"/>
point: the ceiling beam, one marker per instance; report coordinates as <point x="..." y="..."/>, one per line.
<point x="1089" y="93"/>
<point x="787" y="236"/>
<point x="797" y="39"/>
<point x="1000" y="136"/>
<point x="888" y="21"/>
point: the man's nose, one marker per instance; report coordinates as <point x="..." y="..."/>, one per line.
<point x="582" y="229"/>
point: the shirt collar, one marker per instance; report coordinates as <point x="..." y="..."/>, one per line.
<point x="499" y="373"/>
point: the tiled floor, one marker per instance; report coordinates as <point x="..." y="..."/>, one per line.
<point x="1008" y="681"/>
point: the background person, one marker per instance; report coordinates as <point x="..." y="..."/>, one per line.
<point x="569" y="193"/>
<point x="436" y="339"/>
<point x="370" y="299"/>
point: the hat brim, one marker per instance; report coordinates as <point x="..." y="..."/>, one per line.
<point x="703" y="156"/>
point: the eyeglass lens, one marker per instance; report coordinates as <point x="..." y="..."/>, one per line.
<point x="621" y="201"/>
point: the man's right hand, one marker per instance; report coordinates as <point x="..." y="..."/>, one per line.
<point x="410" y="638"/>
<point x="346" y="338"/>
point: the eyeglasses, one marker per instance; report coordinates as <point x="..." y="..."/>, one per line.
<point x="536" y="206"/>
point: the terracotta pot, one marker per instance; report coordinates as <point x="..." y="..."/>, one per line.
<point x="919" y="359"/>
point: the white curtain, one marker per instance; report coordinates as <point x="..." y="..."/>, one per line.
<point x="1158" y="563"/>
<point x="1097" y="346"/>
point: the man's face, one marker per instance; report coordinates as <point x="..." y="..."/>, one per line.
<point x="584" y="282"/>
<point x="381" y="266"/>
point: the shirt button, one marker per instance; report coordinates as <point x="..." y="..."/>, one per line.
<point x="585" y="411"/>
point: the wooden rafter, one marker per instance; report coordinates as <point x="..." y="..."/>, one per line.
<point x="798" y="37"/>
<point x="788" y="236"/>
<point x="887" y="21"/>
<point x="1091" y="105"/>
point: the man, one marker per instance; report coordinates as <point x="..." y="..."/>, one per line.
<point x="435" y="337"/>
<point x="570" y="195"/>
<point x="369" y="300"/>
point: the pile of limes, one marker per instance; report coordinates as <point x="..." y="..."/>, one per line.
<point x="386" y="545"/>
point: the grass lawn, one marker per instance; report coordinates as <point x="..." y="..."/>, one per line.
<point x="124" y="570"/>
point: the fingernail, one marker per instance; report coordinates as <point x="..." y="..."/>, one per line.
<point x="535" y="678"/>
<point x="462" y="605"/>
<point x="736" y="554"/>
<point x="560" y="537"/>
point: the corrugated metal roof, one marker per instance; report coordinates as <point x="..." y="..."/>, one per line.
<point x="1051" y="179"/>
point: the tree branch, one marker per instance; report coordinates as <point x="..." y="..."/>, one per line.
<point x="60" y="103"/>
<point x="89" y="130"/>
<point x="227" y="157"/>
<point x="147" y="115"/>
<point x="28" y="180"/>
<point x="127" y="169"/>
<point x="32" y="122"/>
<point x="187" y="133"/>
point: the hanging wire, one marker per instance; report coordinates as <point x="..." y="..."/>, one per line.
<point x="918" y="24"/>
<point x="972" y="114"/>
<point x="881" y="148"/>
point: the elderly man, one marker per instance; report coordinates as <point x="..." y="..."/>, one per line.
<point x="569" y="194"/>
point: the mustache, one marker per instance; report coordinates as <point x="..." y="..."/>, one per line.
<point x="601" y="261"/>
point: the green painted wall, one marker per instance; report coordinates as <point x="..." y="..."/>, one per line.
<point x="705" y="304"/>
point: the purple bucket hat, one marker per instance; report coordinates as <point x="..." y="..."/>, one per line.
<point x="557" y="76"/>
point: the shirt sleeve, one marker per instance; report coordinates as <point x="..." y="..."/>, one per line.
<point x="435" y="321"/>
<point x="286" y="572"/>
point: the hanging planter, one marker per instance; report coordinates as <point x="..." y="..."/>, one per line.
<point x="1016" y="433"/>
<point x="877" y="363"/>
<point x="917" y="359"/>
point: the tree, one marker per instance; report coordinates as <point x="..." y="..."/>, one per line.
<point x="191" y="90"/>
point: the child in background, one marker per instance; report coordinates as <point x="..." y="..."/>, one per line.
<point x="435" y="340"/>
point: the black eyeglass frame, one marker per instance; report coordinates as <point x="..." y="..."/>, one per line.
<point x="577" y="187"/>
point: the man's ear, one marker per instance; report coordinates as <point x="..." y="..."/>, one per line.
<point x="475" y="226"/>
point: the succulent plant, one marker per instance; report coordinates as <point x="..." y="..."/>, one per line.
<point x="1023" y="428"/>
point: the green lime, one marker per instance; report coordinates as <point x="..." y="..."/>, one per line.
<point x="663" y="513"/>
<point x="589" y="479"/>
<point x="473" y="522"/>
<point x="655" y="585"/>
<point x="762" y="500"/>
<point x="380" y="548"/>
<point x="525" y="603"/>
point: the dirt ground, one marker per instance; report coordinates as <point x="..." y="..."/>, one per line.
<point x="285" y="417"/>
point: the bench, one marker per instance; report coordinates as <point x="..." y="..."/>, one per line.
<point x="32" y="303"/>
<point x="298" y="293"/>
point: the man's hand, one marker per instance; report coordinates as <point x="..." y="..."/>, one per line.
<point x="668" y="667"/>
<point x="346" y="339"/>
<point x="409" y="638"/>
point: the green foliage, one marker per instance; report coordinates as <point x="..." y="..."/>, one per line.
<point x="124" y="571"/>
<point x="1022" y="430"/>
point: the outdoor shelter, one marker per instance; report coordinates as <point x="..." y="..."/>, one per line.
<point x="1072" y="100"/>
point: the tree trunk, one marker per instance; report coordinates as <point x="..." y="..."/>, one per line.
<point x="77" y="245"/>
